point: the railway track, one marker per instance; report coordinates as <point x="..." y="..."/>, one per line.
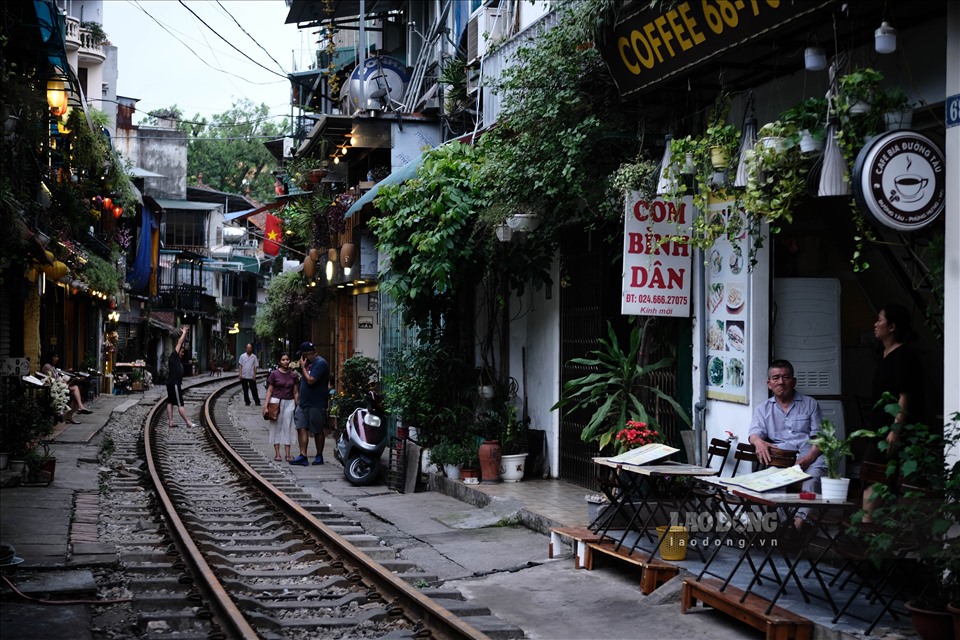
<point x="223" y="544"/>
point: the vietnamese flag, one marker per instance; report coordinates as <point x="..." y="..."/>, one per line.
<point x="272" y="236"/>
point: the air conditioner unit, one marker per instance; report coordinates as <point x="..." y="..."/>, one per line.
<point x="485" y="29"/>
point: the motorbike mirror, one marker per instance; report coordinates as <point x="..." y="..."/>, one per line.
<point x="371" y="420"/>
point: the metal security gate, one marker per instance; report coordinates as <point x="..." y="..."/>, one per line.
<point x="589" y="296"/>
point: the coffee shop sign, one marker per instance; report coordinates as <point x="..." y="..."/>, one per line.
<point x="648" y="45"/>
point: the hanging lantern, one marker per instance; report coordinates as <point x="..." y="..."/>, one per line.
<point x="108" y="203"/>
<point x="833" y="175"/>
<point x="117" y="212"/>
<point x="309" y="267"/>
<point x="314" y="254"/>
<point x="56" y="96"/>
<point x="348" y="256"/>
<point x="747" y="142"/>
<point x="665" y="184"/>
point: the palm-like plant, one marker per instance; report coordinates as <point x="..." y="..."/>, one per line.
<point x="615" y="388"/>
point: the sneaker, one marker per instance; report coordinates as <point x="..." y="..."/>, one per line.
<point x="301" y="460"/>
<point x="318" y="460"/>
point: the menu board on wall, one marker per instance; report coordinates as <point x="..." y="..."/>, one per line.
<point x="727" y="317"/>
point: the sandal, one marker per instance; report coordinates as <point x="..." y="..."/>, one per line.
<point x="276" y="459"/>
<point x="289" y="458"/>
<point x="73" y="422"/>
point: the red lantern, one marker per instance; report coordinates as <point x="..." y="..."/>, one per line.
<point x="117" y="212"/>
<point x="107" y="204"/>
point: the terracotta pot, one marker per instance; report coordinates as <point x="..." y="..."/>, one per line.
<point x="931" y="625"/>
<point x="490" y="462"/>
<point x="954" y="609"/>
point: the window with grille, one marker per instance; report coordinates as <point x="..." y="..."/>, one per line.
<point x="183" y="228"/>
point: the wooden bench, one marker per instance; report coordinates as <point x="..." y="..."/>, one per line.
<point x="779" y="624"/>
<point x="580" y="537"/>
<point x="655" y="572"/>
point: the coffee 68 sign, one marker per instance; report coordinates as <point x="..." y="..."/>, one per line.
<point x="656" y="257"/>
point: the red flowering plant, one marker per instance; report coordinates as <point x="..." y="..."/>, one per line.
<point x="636" y="435"/>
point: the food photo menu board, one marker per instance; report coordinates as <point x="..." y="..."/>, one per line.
<point x="727" y="310"/>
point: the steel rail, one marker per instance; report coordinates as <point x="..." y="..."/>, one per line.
<point x="224" y="609"/>
<point x="442" y="624"/>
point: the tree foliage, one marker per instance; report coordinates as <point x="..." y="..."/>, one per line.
<point x="428" y="234"/>
<point x="227" y="153"/>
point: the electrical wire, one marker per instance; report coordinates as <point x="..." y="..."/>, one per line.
<point x="234" y="47"/>
<point x="220" y="4"/>
<point x="224" y="71"/>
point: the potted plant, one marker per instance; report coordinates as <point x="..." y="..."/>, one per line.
<point x="722" y="141"/>
<point x="489" y="422"/>
<point x="835" y="450"/>
<point x="451" y="455"/>
<point x="776" y="175"/>
<point x="896" y="109"/>
<point x="614" y="389"/>
<point x="810" y="119"/>
<point x="40" y="465"/>
<point x="857" y="90"/>
<point x="513" y="446"/>
<point x="914" y="522"/>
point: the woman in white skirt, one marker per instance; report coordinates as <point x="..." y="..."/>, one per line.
<point x="283" y="386"/>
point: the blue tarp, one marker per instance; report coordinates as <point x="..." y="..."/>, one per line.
<point x="139" y="276"/>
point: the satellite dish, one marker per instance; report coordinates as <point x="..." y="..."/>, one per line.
<point x="380" y="80"/>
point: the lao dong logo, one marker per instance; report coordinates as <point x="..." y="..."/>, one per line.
<point x="708" y="529"/>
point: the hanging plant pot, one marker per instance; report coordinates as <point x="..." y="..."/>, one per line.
<point x="689" y="166"/>
<point x="859" y="107"/>
<point x="809" y="145"/>
<point x="523" y="222"/>
<point x="719" y="157"/>
<point x="775" y="143"/>
<point x="898" y="120"/>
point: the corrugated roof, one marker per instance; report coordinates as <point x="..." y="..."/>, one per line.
<point x="186" y="205"/>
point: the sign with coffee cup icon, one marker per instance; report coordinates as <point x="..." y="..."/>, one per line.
<point x="900" y="178"/>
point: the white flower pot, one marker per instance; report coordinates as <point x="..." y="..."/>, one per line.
<point x="512" y="466"/>
<point x="809" y="144"/>
<point x="452" y="471"/>
<point x="834" y="489"/>
<point x="898" y="120"/>
<point x="859" y="107"/>
<point x="523" y="221"/>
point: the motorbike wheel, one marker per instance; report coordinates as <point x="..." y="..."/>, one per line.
<point x="361" y="471"/>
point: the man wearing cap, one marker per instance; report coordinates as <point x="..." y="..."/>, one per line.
<point x="311" y="414"/>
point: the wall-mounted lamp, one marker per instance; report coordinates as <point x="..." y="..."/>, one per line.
<point x="343" y="149"/>
<point x="235" y="329"/>
<point x="814" y="59"/>
<point x="336" y="160"/>
<point x="885" y="38"/>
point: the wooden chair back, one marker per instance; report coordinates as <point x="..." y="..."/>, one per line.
<point x="745" y="453"/>
<point x="718" y="447"/>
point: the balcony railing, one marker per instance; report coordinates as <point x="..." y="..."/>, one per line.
<point x="73" y="33"/>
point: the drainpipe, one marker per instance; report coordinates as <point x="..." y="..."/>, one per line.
<point x="700" y="308"/>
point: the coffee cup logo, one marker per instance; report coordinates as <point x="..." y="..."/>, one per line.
<point x="910" y="186"/>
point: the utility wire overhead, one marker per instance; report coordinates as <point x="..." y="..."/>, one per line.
<point x="280" y="66"/>
<point x="198" y="56"/>
<point x="230" y="43"/>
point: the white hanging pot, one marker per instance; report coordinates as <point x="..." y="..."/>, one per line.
<point x="898" y="120"/>
<point x="689" y="166"/>
<point x="808" y="144"/>
<point x="523" y="221"/>
<point x="859" y="107"/>
<point x="775" y="143"/>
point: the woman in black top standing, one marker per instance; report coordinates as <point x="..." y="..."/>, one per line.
<point x="899" y="373"/>
<point x="174" y="380"/>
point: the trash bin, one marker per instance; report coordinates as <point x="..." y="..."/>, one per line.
<point x="674" y="546"/>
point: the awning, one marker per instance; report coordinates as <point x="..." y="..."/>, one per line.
<point x="243" y="215"/>
<point x="402" y="174"/>
<point x="140" y="172"/>
<point x="235" y="264"/>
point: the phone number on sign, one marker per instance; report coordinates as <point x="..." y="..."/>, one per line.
<point x="647" y="299"/>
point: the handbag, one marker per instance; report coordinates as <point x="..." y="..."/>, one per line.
<point x="272" y="411"/>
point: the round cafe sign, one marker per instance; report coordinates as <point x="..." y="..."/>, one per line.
<point x="899" y="177"/>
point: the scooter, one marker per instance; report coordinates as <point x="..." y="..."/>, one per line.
<point x="360" y="446"/>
